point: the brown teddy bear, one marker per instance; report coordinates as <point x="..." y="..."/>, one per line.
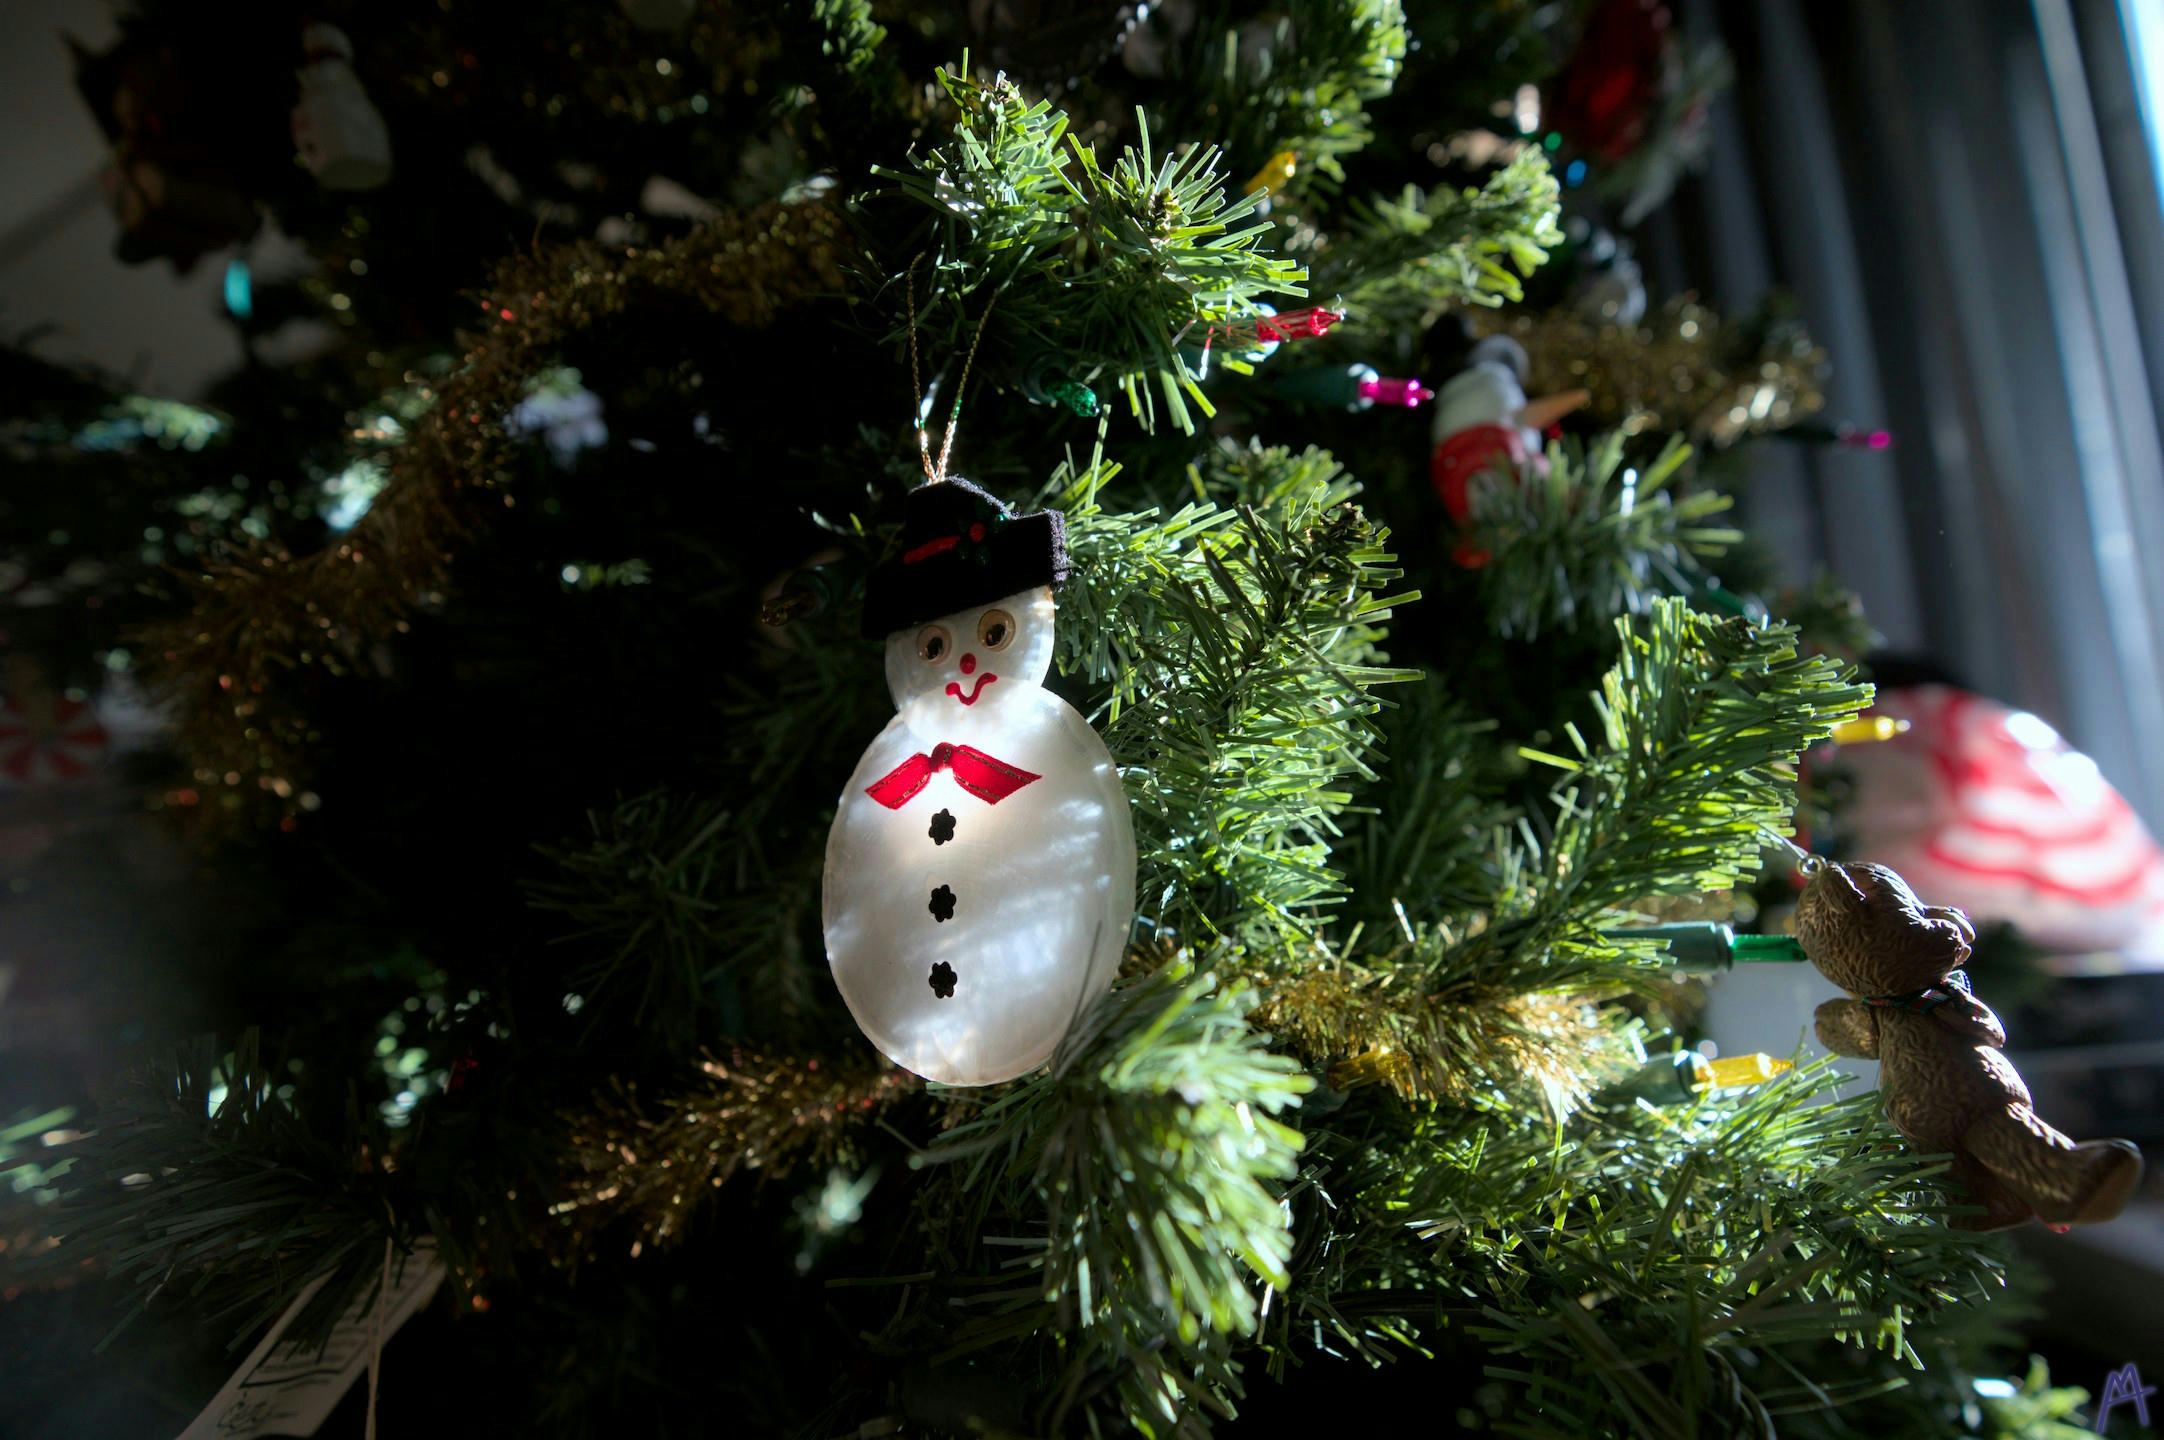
<point x="1945" y="1084"/>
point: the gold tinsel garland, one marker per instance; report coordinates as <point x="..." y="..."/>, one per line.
<point x="1455" y="1048"/>
<point x="637" y="1168"/>
<point x="1679" y="372"/>
<point x="232" y="667"/>
<point x="645" y="1167"/>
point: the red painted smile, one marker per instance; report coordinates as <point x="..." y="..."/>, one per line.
<point x="974" y="691"/>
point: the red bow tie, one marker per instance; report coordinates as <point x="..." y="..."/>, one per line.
<point x="989" y="780"/>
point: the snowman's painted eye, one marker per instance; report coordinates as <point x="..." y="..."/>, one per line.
<point x="933" y="643"/>
<point x="995" y="629"/>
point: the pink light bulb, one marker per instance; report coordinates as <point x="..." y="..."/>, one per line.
<point x="1386" y="390"/>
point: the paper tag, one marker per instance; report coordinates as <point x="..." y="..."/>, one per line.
<point x="288" y="1389"/>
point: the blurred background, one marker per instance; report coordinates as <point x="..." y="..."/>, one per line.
<point x="1961" y="205"/>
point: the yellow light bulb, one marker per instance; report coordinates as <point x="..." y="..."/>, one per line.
<point x="1868" y="729"/>
<point x="1275" y="171"/>
<point x="1739" y="1070"/>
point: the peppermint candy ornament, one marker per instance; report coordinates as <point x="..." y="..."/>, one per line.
<point x="47" y="740"/>
<point x="1989" y="810"/>
<point x="980" y="872"/>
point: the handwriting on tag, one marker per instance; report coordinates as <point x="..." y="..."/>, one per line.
<point x="284" y="1388"/>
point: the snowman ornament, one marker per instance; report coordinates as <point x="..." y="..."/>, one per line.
<point x="337" y="129"/>
<point x="1484" y="424"/>
<point x="980" y="873"/>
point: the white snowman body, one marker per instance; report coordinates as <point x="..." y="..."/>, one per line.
<point x="972" y="915"/>
<point x="1484" y="393"/>
<point x="337" y="129"/>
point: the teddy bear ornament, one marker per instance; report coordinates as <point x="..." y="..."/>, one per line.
<point x="1945" y="1084"/>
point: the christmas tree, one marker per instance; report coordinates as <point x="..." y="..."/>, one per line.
<point x="515" y="641"/>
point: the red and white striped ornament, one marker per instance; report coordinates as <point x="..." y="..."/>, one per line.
<point x="68" y="747"/>
<point x="1986" y="808"/>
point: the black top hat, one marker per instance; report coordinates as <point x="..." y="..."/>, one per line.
<point x="961" y="547"/>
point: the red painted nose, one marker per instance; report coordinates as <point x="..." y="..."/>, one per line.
<point x="969" y="664"/>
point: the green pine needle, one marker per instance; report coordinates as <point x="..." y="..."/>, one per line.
<point x="1150" y="1152"/>
<point x="1645" y="1270"/>
<point x="1702" y="722"/>
<point x="1592" y="540"/>
<point x="1303" y="88"/>
<point x="204" y="1183"/>
<point x="1238" y="639"/>
<point x="1400" y="263"/>
<point x="1116" y="271"/>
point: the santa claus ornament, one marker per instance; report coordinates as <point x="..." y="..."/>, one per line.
<point x="980" y="873"/>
